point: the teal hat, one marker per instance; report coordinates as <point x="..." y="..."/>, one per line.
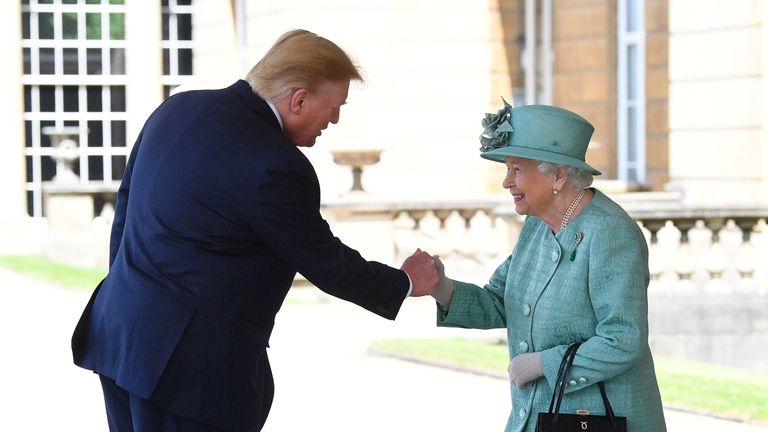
<point x="539" y="132"/>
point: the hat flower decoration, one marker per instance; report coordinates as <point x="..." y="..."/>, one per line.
<point x="497" y="128"/>
<point x="543" y="133"/>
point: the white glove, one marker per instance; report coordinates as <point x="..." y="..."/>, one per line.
<point x="525" y="368"/>
<point x="444" y="292"/>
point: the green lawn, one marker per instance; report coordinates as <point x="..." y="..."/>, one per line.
<point x="697" y="386"/>
<point x="689" y="385"/>
<point x="484" y="356"/>
<point x="81" y="277"/>
<point x="713" y="388"/>
<point x="63" y="274"/>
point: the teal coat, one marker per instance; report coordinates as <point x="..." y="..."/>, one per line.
<point x="551" y="292"/>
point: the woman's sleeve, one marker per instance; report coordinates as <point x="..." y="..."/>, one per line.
<point x="476" y="307"/>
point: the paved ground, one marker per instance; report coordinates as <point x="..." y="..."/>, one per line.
<point x="326" y="380"/>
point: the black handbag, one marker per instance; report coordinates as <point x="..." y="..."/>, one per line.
<point x="553" y="421"/>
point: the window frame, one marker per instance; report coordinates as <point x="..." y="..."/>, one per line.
<point x="631" y="99"/>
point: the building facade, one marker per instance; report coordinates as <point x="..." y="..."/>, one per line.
<point x="88" y="72"/>
<point x="674" y="88"/>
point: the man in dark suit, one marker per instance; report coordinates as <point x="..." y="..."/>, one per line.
<point x="217" y="211"/>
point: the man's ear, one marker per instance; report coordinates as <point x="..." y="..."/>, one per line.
<point x="298" y="98"/>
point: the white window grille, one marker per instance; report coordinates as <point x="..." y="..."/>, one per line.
<point x="177" y="43"/>
<point x="74" y="76"/>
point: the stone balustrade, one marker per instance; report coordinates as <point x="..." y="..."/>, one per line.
<point x="708" y="296"/>
<point x="468" y="235"/>
<point x="703" y="245"/>
<point x="690" y="248"/>
<point x="697" y="245"/>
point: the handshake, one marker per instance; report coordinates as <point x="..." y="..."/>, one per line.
<point x="427" y="275"/>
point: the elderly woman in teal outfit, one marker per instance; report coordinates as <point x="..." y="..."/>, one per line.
<point x="578" y="273"/>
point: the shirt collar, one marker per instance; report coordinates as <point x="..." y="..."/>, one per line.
<point x="274" y="110"/>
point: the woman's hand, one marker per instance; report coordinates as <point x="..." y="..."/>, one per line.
<point x="525" y="368"/>
<point x="444" y="292"/>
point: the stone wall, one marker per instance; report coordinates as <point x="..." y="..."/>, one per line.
<point x="717" y="94"/>
<point x="726" y="327"/>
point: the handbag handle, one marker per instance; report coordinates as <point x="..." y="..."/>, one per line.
<point x="562" y="375"/>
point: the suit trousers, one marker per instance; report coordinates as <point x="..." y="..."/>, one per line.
<point x="129" y="413"/>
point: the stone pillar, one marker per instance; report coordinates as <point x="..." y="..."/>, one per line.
<point x="763" y="159"/>
<point x="716" y="114"/>
<point x="12" y="193"/>
<point x="144" y="63"/>
<point x="69" y="214"/>
<point x="216" y="61"/>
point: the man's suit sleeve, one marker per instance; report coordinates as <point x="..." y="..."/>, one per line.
<point x="286" y="216"/>
<point x="121" y="203"/>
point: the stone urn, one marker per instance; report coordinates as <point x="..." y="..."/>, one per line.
<point x="357" y="160"/>
<point x="66" y="152"/>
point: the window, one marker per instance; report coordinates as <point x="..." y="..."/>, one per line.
<point x="631" y="91"/>
<point x="537" y="56"/>
<point x="74" y="77"/>
<point x="177" y="43"/>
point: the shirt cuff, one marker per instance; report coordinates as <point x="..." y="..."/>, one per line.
<point x="410" y="285"/>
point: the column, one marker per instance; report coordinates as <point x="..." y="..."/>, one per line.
<point x="144" y="62"/>
<point x="12" y="174"/>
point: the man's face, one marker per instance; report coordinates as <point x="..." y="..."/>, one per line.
<point x="318" y="108"/>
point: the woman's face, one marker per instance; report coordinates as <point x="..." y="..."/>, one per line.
<point x="530" y="189"/>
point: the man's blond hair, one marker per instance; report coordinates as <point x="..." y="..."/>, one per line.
<point x="300" y="59"/>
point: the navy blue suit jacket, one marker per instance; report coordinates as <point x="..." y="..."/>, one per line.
<point x="216" y="213"/>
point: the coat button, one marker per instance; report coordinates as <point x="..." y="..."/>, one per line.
<point x="555" y="255"/>
<point x="572" y="383"/>
<point x="523" y="346"/>
<point x="526" y="310"/>
<point x="522" y="412"/>
<point x="582" y="380"/>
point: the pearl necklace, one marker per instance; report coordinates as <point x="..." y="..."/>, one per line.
<point x="571" y="208"/>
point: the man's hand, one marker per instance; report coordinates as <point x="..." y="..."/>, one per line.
<point x="420" y="267"/>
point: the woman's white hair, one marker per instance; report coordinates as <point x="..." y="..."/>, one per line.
<point x="578" y="179"/>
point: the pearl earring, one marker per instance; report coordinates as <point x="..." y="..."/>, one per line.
<point x="554" y="191"/>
